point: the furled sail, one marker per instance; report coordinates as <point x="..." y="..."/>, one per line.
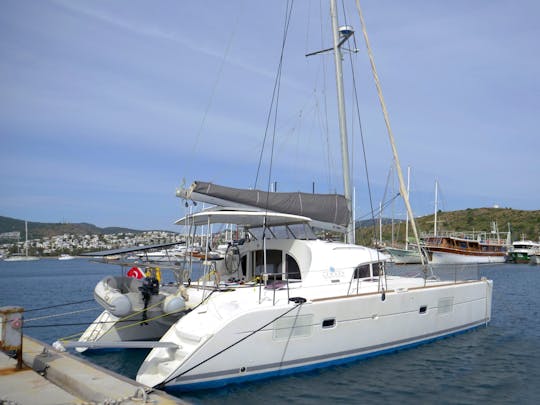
<point x="326" y="208"/>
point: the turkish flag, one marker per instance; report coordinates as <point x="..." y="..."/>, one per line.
<point x="135" y="272"/>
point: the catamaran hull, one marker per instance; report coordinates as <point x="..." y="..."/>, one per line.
<point x="315" y="334"/>
<point x="108" y="328"/>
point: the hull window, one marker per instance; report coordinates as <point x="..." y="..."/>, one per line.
<point x="329" y="323"/>
<point x="446" y="305"/>
<point x="293" y="327"/>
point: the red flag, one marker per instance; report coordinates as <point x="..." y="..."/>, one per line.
<point x="135" y="272"/>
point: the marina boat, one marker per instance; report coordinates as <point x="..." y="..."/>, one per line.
<point x="65" y="256"/>
<point x="534" y="258"/>
<point x="465" y="248"/>
<point x="309" y="303"/>
<point x="521" y="250"/>
<point x="408" y="254"/>
<point x="287" y="301"/>
<point x="166" y="255"/>
<point x="404" y="255"/>
<point x="17" y="257"/>
<point x="20" y="258"/>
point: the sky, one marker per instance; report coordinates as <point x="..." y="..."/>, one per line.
<point x="106" y="108"/>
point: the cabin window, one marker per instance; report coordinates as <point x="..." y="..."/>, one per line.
<point x="243" y="265"/>
<point x="423" y="309"/>
<point x="362" y="271"/>
<point x="293" y="271"/>
<point x="377" y="268"/>
<point x="294" y="231"/>
<point x="302" y="231"/>
<point x="281" y="232"/>
<point x="329" y="323"/>
<point x="273" y="263"/>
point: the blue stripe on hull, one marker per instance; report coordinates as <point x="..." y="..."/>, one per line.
<point x="299" y="369"/>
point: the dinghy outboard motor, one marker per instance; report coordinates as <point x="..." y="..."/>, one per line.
<point x="150" y="286"/>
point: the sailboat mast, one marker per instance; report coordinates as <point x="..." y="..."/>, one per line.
<point x="26" y="238"/>
<point x="407" y="221"/>
<point x="436" y="208"/>
<point x="342" y="119"/>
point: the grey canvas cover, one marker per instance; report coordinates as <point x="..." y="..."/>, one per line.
<point x="330" y="208"/>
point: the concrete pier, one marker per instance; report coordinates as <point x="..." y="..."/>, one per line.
<point x="49" y="377"/>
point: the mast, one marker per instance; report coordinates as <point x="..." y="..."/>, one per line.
<point x="407" y="221"/>
<point x="393" y="212"/>
<point x="436" y="208"/>
<point x="346" y="32"/>
<point x="26" y="238"/>
<point x="380" y="223"/>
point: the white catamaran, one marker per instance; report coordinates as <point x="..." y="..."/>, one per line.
<point x="284" y="301"/>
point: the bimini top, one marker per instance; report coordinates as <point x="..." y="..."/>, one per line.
<point x="328" y="211"/>
<point x="245" y="218"/>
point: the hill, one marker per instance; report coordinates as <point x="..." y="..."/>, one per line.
<point x="526" y="223"/>
<point x="38" y="230"/>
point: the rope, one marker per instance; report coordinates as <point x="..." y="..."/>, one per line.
<point x="301" y="301"/>
<point x="59" y="305"/>
<point x="125" y="319"/>
<point x="62" y="314"/>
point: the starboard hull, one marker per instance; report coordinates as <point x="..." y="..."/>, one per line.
<point x="296" y="339"/>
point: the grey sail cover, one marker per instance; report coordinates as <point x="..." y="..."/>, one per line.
<point x="331" y="208"/>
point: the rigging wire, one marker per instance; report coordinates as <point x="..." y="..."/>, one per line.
<point x="378" y="211"/>
<point x="361" y="131"/>
<point x="297" y="300"/>
<point x="275" y="97"/>
<point x="58" y="305"/>
<point x="325" y="124"/>
<point x="217" y="80"/>
<point x="381" y="285"/>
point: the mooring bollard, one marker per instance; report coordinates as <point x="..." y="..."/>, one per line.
<point x="11" y="323"/>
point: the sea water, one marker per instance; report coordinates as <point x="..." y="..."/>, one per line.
<point x="497" y="364"/>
